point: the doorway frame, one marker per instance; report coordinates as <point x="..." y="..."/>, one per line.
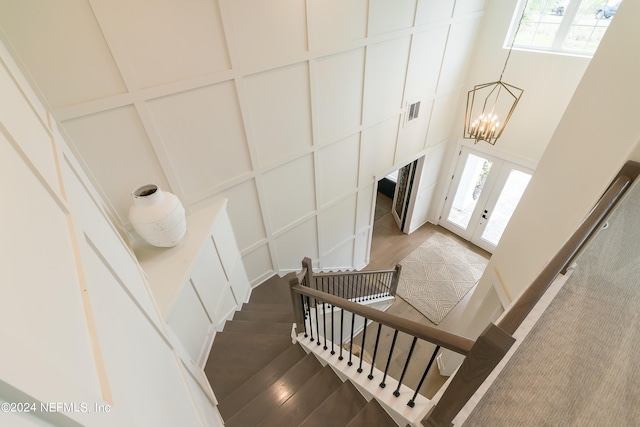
<point x="480" y="148"/>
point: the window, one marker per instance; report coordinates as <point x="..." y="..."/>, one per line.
<point x="567" y="26"/>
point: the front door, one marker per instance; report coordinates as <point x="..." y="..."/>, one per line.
<point x="484" y="193"/>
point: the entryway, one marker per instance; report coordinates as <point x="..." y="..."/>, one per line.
<point x="484" y="193"/>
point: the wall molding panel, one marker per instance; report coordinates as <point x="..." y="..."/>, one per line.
<point x="290" y="109"/>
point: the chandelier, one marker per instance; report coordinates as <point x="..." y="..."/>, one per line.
<point x="490" y="105"/>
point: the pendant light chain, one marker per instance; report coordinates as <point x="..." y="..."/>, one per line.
<point x="513" y="40"/>
<point x="482" y="121"/>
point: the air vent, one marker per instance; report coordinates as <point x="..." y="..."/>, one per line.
<point x="414" y="110"/>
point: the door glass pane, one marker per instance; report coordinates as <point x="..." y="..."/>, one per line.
<point x="401" y="190"/>
<point x="506" y="204"/>
<point x="475" y="173"/>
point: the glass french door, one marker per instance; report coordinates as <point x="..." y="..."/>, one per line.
<point x="484" y="193"/>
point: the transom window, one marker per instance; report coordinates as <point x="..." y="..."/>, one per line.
<point x="567" y="26"/>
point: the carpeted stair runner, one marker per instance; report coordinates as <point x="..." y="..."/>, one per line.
<point x="579" y="365"/>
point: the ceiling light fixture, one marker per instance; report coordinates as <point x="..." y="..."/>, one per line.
<point x="490" y="105"/>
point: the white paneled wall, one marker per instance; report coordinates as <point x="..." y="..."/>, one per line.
<point x="339" y="82"/>
<point x="279" y="113"/>
<point x="290" y="109"/>
<point x="82" y="336"/>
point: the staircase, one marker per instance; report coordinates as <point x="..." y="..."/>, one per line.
<point x="261" y="379"/>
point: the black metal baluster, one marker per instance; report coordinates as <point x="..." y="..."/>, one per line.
<point x="365" y="285"/>
<point x="374" y="285"/>
<point x="364" y="335"/>
<point x="333" y="334"/>
<point x="341" y="329"/>
<point x="304" y="313"/>
<point x="412" y="402"/>
<point x="393" y="345"/>
<point x="324" y="324"/>
<point x="375" y="351"/>
<point x="315" y="303"/>
<point x="406" y="365"/>
<point x="353" y="321"/>
<point x="309" y="317"/>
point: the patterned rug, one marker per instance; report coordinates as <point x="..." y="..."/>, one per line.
<point x="438" y="274"/>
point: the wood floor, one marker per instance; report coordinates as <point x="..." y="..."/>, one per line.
<point x="390" y="246"/>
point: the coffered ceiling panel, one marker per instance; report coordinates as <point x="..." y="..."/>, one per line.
<point x="280" y="112"/>
<point x="429" y="10"/>
<point x="336" y="170"/>
<point x="388" y="15"/>
<point x="346" y="19"/>
<point x="160" y="41"/>
<point x="290" y="192"/>
<point x="63" y="48"/>
<point x="120" y="156"/>
<point x="338" y="90"/>
<point x="386" y="68"/>
<point x="266" y="31"/>
<point x="202" y="133"/>
<point x="458" y="54"/>
<point x="378" y="148"/>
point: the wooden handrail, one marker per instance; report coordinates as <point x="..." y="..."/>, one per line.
<point x="525" y="303"/>
<point x="442" y="338"/>
<point x="493" y="344"/>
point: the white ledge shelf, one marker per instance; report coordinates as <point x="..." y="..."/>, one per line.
<point x="168" y="269"/>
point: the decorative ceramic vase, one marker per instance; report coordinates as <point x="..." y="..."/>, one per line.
<point x="157" y="216"/>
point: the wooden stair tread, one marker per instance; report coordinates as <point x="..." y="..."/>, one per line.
<point x="253" y="327"/>
<point x="340" y="407"/>
<point x="264" y="316"/>
<point x="304" y="401"/>
<point x="278" y="308"/>
<point x="259" y="382"/>
<point x="372" y="415"/>
<point x="274" y="290"/>
<point x="271" y="399"/>
<point x="235" y="357"/>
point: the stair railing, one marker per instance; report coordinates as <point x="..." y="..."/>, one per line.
<point x="496" y="340"/>
<point x="314" y="324"/>
<point x="483" y="355"/>
<point x="356" y="286"/>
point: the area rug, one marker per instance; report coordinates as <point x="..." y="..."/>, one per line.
<point x="438" y="274"/>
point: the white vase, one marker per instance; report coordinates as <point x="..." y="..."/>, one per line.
<point x="157" y="216"/>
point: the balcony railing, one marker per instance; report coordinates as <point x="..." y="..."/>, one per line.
<point x="355" y="286"/>
<point x="324" y="318"/>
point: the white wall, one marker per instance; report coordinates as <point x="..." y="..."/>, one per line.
<point x="289" y="109"/>
<point x="82" y="340"/>
<point x="580" y="161"/>
<point x="549" y="81"/>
